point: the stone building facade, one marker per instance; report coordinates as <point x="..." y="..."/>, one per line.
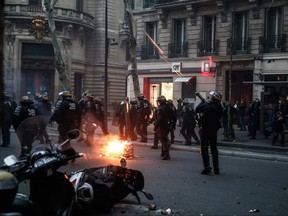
<point x="237" y="47"/>
<point x="80" y="26"/>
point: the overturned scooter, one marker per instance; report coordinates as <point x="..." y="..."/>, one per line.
<point x="51" y="193"/>
<point x="99" y="189"/>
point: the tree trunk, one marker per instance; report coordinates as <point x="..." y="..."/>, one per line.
<point x="1" y="56"/>
<point x="48" y="6"/>
<point x="132" y="49"/>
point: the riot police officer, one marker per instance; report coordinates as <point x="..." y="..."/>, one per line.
<point x="45" y="109"/>
<point x="100" y="114"/>
<point x="144" y="111"/>
<point x="26" y="135"/>
<point x="189" y="121"/>
<point x="67" y="114"/>
<point x="162" y="125"/>
<point x="133" y="119"/>
<point x="9" y="107"/>
<point x="88" y="111"/>
<point x="173" y="120"/>
<point x="212" y="112"/>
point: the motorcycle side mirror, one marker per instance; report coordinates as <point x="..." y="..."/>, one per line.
<point x="11" y="160"/>
<point x="72" y="134"/>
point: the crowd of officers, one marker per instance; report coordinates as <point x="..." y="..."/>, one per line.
<point x="133" y="117"/>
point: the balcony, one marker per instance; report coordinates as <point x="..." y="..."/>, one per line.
<point x="176" y="50"/>
<point x="207" y="48"/>
<point x="149" y="52"/>
<point x="272" y="43"/>
<point x="239" y="45"/>
<point x="61" y="14"/>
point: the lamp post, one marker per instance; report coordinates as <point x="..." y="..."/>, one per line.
<point x="106" y="65"/>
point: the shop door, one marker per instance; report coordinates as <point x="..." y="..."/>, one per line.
<point x="239" y="90"/>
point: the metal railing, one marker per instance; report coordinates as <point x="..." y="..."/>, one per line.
<point x="178" y="49"/>
<point x="149" y="52"/>
<point x="272" y="43"/>
<point x="205" y="48"/>
<point x="239" y="45"/>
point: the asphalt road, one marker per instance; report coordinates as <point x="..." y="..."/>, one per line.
<point x="245" y="183"/>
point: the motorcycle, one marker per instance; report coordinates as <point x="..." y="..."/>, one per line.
<point x="99" y="189"/>
<point x="51" y="193"/>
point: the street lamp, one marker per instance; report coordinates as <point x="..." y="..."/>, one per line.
<point x="108" y="41"/>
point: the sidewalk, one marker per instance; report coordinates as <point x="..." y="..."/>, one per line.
<point x="260" y="148"/>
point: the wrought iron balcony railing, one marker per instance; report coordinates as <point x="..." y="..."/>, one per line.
<point x="272" y="43"/>
<point x="149" y="52"/>
<point x="178" y="50"/>
<point x="205" y="48"/>
<point x="239" y="45"/>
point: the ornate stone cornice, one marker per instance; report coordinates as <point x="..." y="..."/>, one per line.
<point x="163" y="16"/>
<point x="254" y="5"/>
<point x="222" y="7"/>
<point x="192" y="13"/>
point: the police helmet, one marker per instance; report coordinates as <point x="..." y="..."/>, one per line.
<point x="216" y="96"/>
<point x="65" y="94"/>
<point x="25" y="100"/>
<point x="140" y="96"/>
<point x="133" y="101"/>
<point x="170" y="101"/>
<point x="161" y="99"/>
<point x="44" y="97"/>
<point x="185" y="101"/>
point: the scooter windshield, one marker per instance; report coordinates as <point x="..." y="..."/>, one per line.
<point x="31" y="128"/>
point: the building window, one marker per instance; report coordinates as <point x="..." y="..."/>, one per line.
<point x="274" y="40"/>
<point x="240" y="43"/>
<point x="35" y="2"/>
<point x="209" y="45"/>
<point x="79" y="5"/>
<point x="179" y="46"/>
<point x="149" y="51"/>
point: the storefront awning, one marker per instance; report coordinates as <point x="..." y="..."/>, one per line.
<point x="266" y="82"/>
<point x="184" y="79"/>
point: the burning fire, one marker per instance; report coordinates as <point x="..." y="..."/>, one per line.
<point x="118" y="148"/>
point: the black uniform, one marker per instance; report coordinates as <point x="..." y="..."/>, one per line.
<point x="210" y="121"/>
<point x="144" y="111"/>
<point x="45" y="109"/>
<point x="67" y="114"/>
<point x="173" y="120"/>
<point x="27" y="131"/>
<point x="9" y="107"/>
<point x="100" y="114"/>
<point x="88" y="111"/>
<point x="189" y="122"/>
<point x="162" y="126"/>
<point x="133" y="114"/>
<point x="254" y="118"/>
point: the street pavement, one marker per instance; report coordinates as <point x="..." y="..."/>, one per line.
<point x="242" y="146"/>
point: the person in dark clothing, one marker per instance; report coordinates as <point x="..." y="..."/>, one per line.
<point x="189" y="122"/>
<point x="156" y="133"/>
<point x="124" y="120"/>
<point x="45" y="109"/>
<point x="162" y="125"/>
<point x="9" y="107"/>
<point x="133" y="119"/>
<point x="100" y="116"/>
<point x="26" y="134"/>
<point x="144" y="111"/>
<point x="174" y="120"/>
<point x="254" y="118"/>
<point x="88" y="113"/>
<point x="210" y="122"/>
<point x="67" y="115"/>
<point x="241" y="112"/>
<point x="228" y="118"/>
<point x="278" y="127"/>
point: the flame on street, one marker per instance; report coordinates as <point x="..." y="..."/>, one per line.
<point x="117" y="148"/>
